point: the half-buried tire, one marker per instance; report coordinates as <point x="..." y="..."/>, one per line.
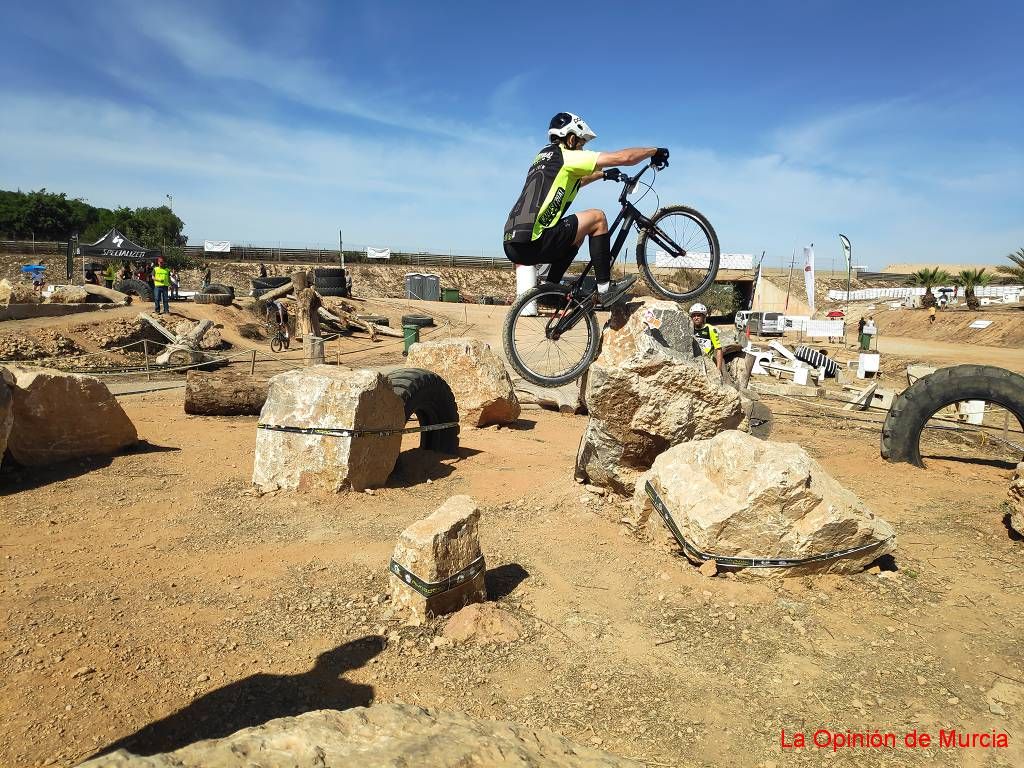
<point x="223" y="299"/>
<point x="910" y="411"/>
<point x="420" y="321"/>
<point x="428" y="397"/>
<point x="135" y="287"/>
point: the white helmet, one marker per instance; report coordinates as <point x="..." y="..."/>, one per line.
<point x="565" y="123"/>
<point x="698" y="309"/>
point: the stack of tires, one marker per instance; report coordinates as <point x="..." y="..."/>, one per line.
<point x="215" y="293"/>
<point x="816" y="359"/>
<point x="330" y="281"/>
<point x="261" y="285"/>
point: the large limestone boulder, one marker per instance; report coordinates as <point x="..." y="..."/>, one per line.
<point x="737" y="496"/>
<point x="441" y="550"/>
<point x="648" y="390"/>
<point x="6" y="408"/>
<point x="382" y="736"/>
<point x="18" y="293"/>
<point x="328" y="397"/>
<point x="482" y="387"/>
<point x="61" y="416"/>
<point x="68" y="294"/>
<point x="1017" y="500"/>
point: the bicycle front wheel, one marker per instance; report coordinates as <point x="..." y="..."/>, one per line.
<point x="550" y="338"/>
<point x="678" y="254"/>
<point x="276" y="344"/>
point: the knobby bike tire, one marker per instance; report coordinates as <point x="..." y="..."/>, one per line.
<point x="508" y="340"/>
<point x="276" y="344"/>
<point x="645" y="268"/>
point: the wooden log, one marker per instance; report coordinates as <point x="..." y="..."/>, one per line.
<point x="300" y="280"/>
<point x="276" y="293"/>
<point x="114" y="297"/>
<point x="225" y="393"/>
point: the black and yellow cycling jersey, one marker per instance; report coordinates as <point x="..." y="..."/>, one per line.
<point x="707" y="339"/>
<point x="551" y="184"/>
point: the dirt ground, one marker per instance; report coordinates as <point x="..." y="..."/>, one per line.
<point x="153" y="598"/>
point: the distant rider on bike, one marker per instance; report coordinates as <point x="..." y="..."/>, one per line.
<point x="539" y="232"/>
<point x="277" y="313"/>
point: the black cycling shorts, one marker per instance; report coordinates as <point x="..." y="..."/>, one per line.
<point x="554" y="246"/>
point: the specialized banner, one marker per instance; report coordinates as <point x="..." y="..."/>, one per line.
<point x="809" y="275"/>
<point x="217" y="246"/>
<point x="378" y="253"/>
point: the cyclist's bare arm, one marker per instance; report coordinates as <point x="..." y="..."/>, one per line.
<point x="630" y="156"/>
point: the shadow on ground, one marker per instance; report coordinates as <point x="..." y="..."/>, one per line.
<point x="259" y="698"/>
<point x="14" y="478"/>
<point x="501" y="581"/>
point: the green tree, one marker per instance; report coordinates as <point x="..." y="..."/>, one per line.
<point x="1016" y="272"/>
<point x="720" y="299"/>
<point x="928" y="278"/>
<point x="970" y="279"/>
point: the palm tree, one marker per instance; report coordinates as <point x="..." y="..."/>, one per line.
<point x="1016" y="272"/>
<point x="971" y="279"/>
<point x="929" y="277"/>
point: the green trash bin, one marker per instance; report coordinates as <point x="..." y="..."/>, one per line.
<point x="450" y="294"/>
<point x="411" y="336"/>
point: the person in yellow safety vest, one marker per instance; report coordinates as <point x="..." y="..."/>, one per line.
<point x="109" y="275"/>
<point x="706" y="336"/>
<point x="161" y="286"/>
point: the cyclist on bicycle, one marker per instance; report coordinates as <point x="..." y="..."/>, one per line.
<point x="539" y="232"/>
<point x="277" y="310"/>
<point x="706" y="336"/>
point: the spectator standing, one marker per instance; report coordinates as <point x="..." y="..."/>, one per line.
<point x="109" y="275"/>
<point x="90" y="277"/>
<point x="161" y="285"/>
<point x="175" y="284"/>
<point x="869" y="332"/>
<point x="263" y="270"/>
<point x="206" y="277"/>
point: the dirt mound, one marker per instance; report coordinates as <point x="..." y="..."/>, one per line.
<point x="1006" y="330"/>
<point x="36" y="345"/>
<point x="118" y="333"/>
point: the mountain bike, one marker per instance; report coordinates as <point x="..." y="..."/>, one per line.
<point x="551" y="335"/>
<point x="278" y="341"/>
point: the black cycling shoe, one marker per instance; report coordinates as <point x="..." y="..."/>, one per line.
<point x="616" y="291"/>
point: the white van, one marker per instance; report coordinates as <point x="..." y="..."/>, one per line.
<point x="766" y="324"/>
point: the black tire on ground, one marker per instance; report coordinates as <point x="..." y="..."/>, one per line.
<point x="339" y="292"/>
<point x="420" y="321"/>
<point x="270" y="282"/>
<point x="329" y="282"/>
<point x="223" y="299"/>
<point x="427" y="396"/>
<point x="136" y="287"/>
<point x="331" y="273"/>
<point x="375" y="319"/>
<point x="651" y="278"/>
<point x="228" y="290"/>
<point x="910" y="411"/>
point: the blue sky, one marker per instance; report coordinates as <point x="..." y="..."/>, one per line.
<point x="411" y="124"/>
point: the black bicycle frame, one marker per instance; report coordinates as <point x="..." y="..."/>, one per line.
<point x="629" y="215"/>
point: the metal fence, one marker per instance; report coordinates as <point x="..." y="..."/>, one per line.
<point x="240" y="252"/>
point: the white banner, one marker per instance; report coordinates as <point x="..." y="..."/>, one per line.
<point x="809" y="274"/>
<point x="378" y="253"/>
<point x="829" y="328"/>
<point x="697" y="260"/>
<point x="870" y="294"/>
<point x="217" y="246"/>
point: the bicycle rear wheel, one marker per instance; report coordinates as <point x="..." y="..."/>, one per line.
<point x="678" y="255"/>
<point x="550" y="338"/>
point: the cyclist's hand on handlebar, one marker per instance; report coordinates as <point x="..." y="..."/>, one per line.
<point x="612" y="174"/>
<point x="660" y="159"/>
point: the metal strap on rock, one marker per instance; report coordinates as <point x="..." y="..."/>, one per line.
<point x="342" y="432"/>
<point x="432" y="588"/>
<point x="746" y="562"/>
